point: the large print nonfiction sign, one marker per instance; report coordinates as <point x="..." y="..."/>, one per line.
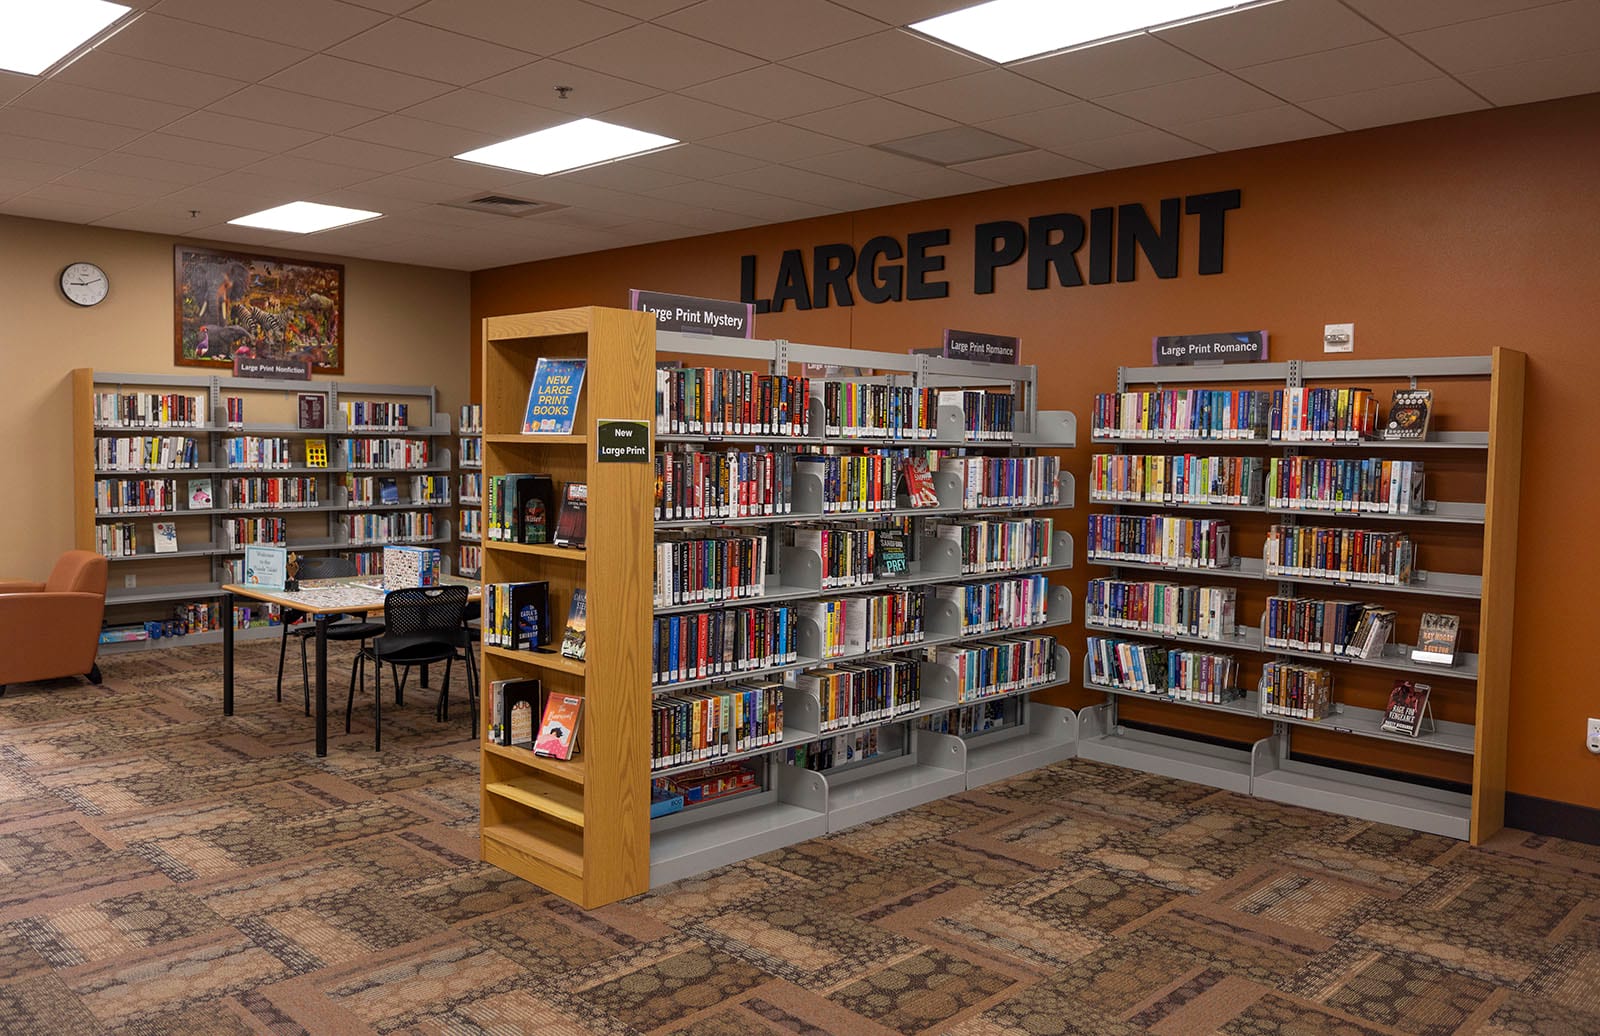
<point x="1058" y="249"/>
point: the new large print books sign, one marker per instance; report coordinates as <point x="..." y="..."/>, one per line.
<point x="699" y="316"/>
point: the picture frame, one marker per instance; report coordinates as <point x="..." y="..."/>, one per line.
<point x="228" y="304"/>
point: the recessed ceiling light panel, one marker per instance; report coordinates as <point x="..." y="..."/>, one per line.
<point x="571" y="145"/>
<point x="35" y="34"/>
<point x="304" y="217"/>
<point x="1009" y="30"/>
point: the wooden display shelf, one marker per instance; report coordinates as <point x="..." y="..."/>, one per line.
<point x="573" y="771"/>
<point x="543" y="550"/>
<point x="541" y="796"/>
<point x="540" y="660"/>
<point x="539" y="440"/>
<point x="546" y="843"/>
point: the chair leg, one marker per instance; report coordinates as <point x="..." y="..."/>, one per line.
<point x="94" y="674"/>
<point x="400" y="679"/>
<point x="283" y="648"/>
<point x="441" y="711"/>
<point x="357" y="668"/>
<point x="472" y="691"/>
<point x="305" y="673"/>
<point x="377" y="706"/>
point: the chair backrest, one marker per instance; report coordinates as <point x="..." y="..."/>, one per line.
<point x="78" y="571"/>
<point x="422" y="611"/>
<point x="325" y="568"/>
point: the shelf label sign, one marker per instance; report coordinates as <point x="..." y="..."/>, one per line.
<point x="980" y="347"/>
<point x="622" y="442"/>
<point x="292" y="370"/>
<point x="718" y="317"/>
<point x="1226" y="347"/>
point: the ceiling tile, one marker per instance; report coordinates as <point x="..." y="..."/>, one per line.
<point x="592" y="92"/>
<point x="466" y="176"/>
<point x="585" y="218"/>
<point x="430" y="138"/>
<point x="1280" y="30"/>
<point x="498" y="116"/>
<point x="64" y="212"/>
<point x="904" y="12"/>
<point x="12" y="84"/>
<point x="448" y="57"/>
<point x="362" y="154"/>
<point x="698" y="162"/>
<point x="355" y="83"/>
<point x="1114" y="68"/>
<point x="803" y="185"/>
<point x="83" y="102"/>
<point x="872" y="121"/>
<point x="625" y="175"/>
<point x="990" y="94"/>
<point x="319" y="175"/>
<point x="681" y="118"/>
<point x="311" y="24"/>
<point x="1405" y="102"/>
<point x="1531" y="81"/>
<point x="287" y="108"/>
<point x="886" y="62"/>
<point x="1257" y="128"/>
<point x="192" y="152"/>
<point x="1510" y="39"/>
<point x="1382" y="62"/>
<point x="772" y="29"/>
<point x="774" y="92"/>
<point x="49" y="152"/>
<point x="240" y="132"/>
<point x="246" y="192"/>
<point x="116" y="183"/>
<point x="146" y="221"/>
<point x="134" y="77"/>
<point x="32" y="173"/>
<point x="358" y="197"/>
<point x="1141" y="148"/>
<point x="894" y="173"/>
<point x="660" y="57"/>
<point x="546" y="27"/>
<point x="644" y="8"/>
<point x="388" y="6"/>
<point x="1176" y="104"/>
<point x="1401" y="16"/>
<point x="1054" y="127"/>
<point x="187" y="45"/>
<point x="776" y="142"/>
<point x="44" y="126"/>
<point x="1026" y="167"/>
<point x="409" y="188"/>
<point x="119" y="163"/>
<point x="739" y="200"/>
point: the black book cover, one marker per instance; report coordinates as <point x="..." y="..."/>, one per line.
<point x="535" y="504"/>
<point x="572" y="527"/>
<point x="530" y="616"/>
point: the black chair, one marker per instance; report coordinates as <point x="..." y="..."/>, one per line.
<point x="425" y="625"/>
<point x="469" y="655"/>
<point x="340" y="628"/>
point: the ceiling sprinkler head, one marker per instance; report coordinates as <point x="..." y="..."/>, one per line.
<point x="563" y="92"/>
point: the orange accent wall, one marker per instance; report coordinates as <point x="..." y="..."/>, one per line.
<point x="1443" y="237"/>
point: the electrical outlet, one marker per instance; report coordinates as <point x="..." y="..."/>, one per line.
<point x="1593" y="740"/>
<point x="130" y="581"/>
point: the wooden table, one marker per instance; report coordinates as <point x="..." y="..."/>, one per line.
<point x="322" y="600"/>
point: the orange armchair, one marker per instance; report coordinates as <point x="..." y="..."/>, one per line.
<point x="52" y="628"/>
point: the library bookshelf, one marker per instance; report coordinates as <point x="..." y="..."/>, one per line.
<point x="584" y="829"/>
<point x="345" y="518"/>
<point x="1449" y="779"/>
<point x="469" y="491"/>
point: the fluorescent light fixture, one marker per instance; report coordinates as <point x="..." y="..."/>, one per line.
<point x="1008" y="30"/>
<point x="571" y="145"/>
<point x="35" y="34"/>
<point x="304" y="217"/>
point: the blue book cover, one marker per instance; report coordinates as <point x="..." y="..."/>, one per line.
<point x="553" y="397"/>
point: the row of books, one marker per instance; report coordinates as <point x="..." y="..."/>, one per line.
<point x="1301" y="691"/>
<point x="1006" y="481"/>
<point x="1346" y="555"/>
<point x="989" y="415"/>
<point x="861" y="409"/>
<point x="1329" y="484"/>
<point x="724" y="642"/>
<point x="872" y="622"/>
<point x="239" y="532"/>
<point x="696" y="726"/>
<point x="1184" y="414"/>
<point x="1208" y="612"/>
<point x="519" y="506"/>
<point x="1331" y="627"/>
<point x="969" y="719"/>
<point x="116" y="539"/>
<point x="372" y="416"/>
<point x="999" y="666"/>
<point x="471" y="487"/>
<point x="1186" y="675"/>
<point x="518" y="616"/>
<point x="258" y="451"/>
<point x="386" y="453"/>
<point x="149" y="410"/>
<point x="146" y="452"/>
<point x="854" y="746"/>
<point x="471" y="422"/>
<point x="471" y="523"/>
<point x="135" y="495"/>
<point x="1004" y="604"/>
<point x="277" y="492"/>
<point x="713" y="401"/>
<point x="854" y="483"/>
<point x="471" y="452"/>
<point x="848" y="557"/>
<point x="524" y="715"/>
<point x="694" y="483"/>
<point x="399" y="526"/>
<point x="374" y="490"/>
<point x="1000" y="545"/>
<point x="1161" y="539"/>
<point x="1185" y="479"/>
<point x="852" y="694"/>
<point x="235" y="411"/>
<point x="725" y="568"/>
<point x="469" y="561"/>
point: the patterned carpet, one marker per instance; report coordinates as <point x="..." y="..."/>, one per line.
<point x="166" y="870"/>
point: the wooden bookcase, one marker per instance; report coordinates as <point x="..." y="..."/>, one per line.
<point x="578" y="828"/>
<point x="1467" y="558"/>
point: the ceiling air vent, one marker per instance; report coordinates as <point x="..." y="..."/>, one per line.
<point x="503" y="205"/>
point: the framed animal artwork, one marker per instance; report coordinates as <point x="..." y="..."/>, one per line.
<point x="228" y="305"/>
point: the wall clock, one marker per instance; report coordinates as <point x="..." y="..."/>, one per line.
<point x="84" y="284"/>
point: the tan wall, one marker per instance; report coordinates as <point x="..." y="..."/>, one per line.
<point x="403" y="326"/>
<point x="1445" y="237"/>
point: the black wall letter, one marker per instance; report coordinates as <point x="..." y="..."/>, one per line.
<point x="747" y="284"/>
<point x="1063" y="255"/>
<point x="1212" y="209"/>
<point x="867" y="271"/>
<point x="792" y="285"/>
<point x="1100" y="241"/>
<point x="831" y="267"/>
<point x="919" y="264"/>
<point x="1133" y="227"/>
<point x="994" y="245"/>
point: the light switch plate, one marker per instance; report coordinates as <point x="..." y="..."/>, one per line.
<point x="130" y="581"/>
<point x="1338" y="338"/>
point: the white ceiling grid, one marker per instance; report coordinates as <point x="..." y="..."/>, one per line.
<point x="788" y="108"/>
